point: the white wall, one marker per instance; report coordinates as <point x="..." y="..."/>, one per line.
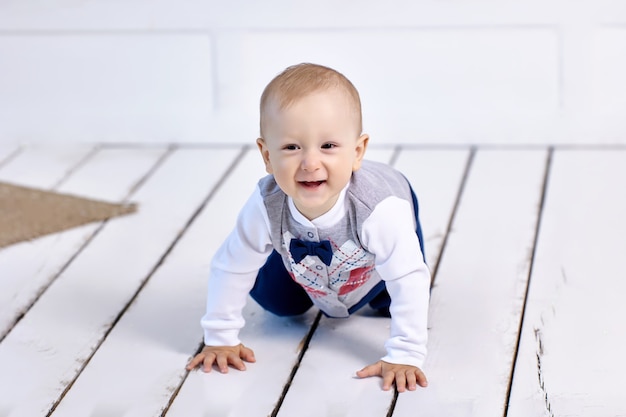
<point x="428" y="71"/>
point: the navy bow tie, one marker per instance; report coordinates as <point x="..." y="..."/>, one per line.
<point x="300" y="249"/>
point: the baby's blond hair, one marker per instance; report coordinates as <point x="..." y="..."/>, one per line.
<point x="299" y="80"/>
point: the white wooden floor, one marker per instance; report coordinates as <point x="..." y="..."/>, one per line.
<point x="527" y="248"/>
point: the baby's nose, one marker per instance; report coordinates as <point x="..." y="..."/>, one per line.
<point x="310" y="161"/>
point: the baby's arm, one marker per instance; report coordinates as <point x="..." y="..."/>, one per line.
<point x="404" y="376"/>
<point x="407" y="278"/>
<point x="222" y="356"/>
<point x="232" y="274"/>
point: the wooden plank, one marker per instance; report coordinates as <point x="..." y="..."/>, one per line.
<point x="479" y="289"/>
<point x="436" y="176"/>
<point x="35" y="264"/>
<point x="48" y="348"/>
<point x="42" y="166"/>
<point x="571" y="354"/>
<point x="339" y="348"/>
<point x="105" y="174"/>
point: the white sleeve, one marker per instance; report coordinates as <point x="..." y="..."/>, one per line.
<point x="233" y="272"/>
<point x="389" y="234"/>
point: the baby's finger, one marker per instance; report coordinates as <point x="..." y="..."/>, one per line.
<point x="222" y="363"/>
<point x="236" y="361"/>
<point x="197" y="360"/>
<point x="400" y="380"/>
<point x="388" y="378"/>
<point x="370" y="370"/>
<point x="207" y="364"/>
<point x="411" y="380"/>
<point x="247" y="354"/>
<point x="421" y="379"/>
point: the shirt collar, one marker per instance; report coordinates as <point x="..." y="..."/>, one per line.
<point x="326" y="220"/>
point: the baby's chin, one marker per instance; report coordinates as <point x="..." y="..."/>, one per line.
<point x="314" y="209"/>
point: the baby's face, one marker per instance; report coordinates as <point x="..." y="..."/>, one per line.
<point x="312" y="147"/>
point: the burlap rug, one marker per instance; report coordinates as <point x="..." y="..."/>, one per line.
<point x="27" y="213"/>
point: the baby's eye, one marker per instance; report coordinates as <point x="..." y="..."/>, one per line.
<point x="329" y="146"/>
<point x="291" y="147"/>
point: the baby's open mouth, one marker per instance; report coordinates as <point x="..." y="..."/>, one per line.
<point x="311" y="184"/>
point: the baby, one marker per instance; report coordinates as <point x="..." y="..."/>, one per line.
<point x="324" y="228"/>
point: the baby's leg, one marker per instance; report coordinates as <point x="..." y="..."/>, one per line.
<point x="277" y="292"/>
<point x="378" y="298"/>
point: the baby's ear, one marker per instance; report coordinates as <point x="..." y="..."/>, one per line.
<point x="361" y="147"/>
<point x="265" y="153"/>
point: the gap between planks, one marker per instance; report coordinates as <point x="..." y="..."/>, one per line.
<point x="544" y="190"/>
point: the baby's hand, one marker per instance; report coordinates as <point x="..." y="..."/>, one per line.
<point x="405" y="376"/>
<point x="222" y="356"/>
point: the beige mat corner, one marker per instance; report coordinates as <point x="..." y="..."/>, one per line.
<point x="27" y="213"/>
